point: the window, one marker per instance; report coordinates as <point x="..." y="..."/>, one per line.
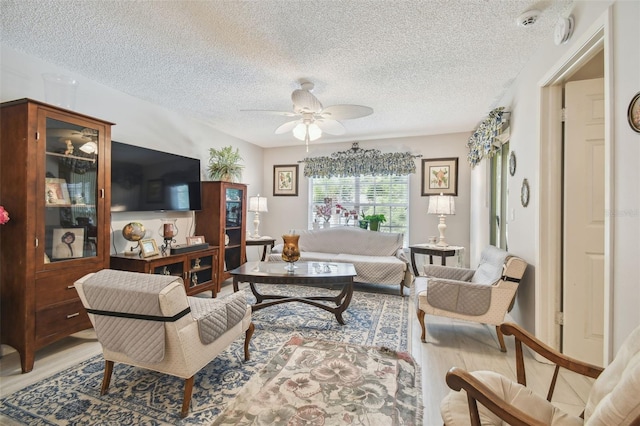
<point x="388" y="195"/>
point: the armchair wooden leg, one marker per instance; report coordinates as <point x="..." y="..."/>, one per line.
<point x="423" y="336"/>
<point x="247" y="338"/>
<point x="503" y="348"/>
<point x="106" y="379"/>
<point x="186" y="402"/>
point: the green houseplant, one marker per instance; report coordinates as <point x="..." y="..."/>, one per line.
<point x="224" y="164"/>
<point x="375" y="220"/>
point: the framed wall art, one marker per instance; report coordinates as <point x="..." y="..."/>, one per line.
<point x="285" y="180"/>
<point x="633" y="113"/>
<point x="440" y="176"/>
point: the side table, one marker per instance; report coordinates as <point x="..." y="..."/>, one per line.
<point x="435" y="250"/>
<point x="264" y="242"/>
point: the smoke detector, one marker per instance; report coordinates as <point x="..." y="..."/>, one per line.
<point x="528" y="18"/>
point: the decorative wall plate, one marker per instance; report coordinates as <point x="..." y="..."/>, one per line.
<point x="524" y="193"/>
<point x="633" y="113"/>
<point x="512" y="163"/>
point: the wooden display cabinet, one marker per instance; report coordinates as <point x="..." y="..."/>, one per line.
<point x="55" y="183"/>
<point x="198" y="269"/>
<point x="222" y="222"/>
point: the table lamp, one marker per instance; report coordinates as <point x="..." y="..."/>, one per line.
<point x="257" y="205"/>
<point x="441" y="205"/>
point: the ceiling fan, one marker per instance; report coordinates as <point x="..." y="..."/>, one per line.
<point x="312" y="119"/>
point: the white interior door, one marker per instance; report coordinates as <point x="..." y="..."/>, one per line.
<point x="583" y="252"/>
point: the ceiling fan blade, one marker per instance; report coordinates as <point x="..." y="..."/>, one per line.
<point x="346" y="112"/>
<point x="287" y="127"/>
<point x="332" y="127"/>
<point x="281" y="113"/>
<point x="304" y="101"/>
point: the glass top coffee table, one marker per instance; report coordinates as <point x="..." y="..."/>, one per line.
<point x="305" y="273"/>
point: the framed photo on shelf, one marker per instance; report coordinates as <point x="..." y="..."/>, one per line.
<point x="56" y="192"/>
<point x="148" y="248"/>
<point x="440" y="176"/>
<point x="285" y="180"/>
<point x="196" y="239"/>
<point x="68" y="243"/>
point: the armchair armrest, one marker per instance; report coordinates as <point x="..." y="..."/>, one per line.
<point x="447" y="272"/>
<point x="559" y="359"/>
<point x="477" y="391"/>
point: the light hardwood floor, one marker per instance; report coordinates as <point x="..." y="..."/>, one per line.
<point x="450" y="343"/>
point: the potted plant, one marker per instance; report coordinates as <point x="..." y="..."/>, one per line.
<point x="375" y="220"/>
<point x="224" y="164"/>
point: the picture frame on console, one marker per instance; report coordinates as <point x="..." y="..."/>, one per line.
<point x="440" y="176"/>
<point x="285" y="180"/>
<point x="149" y="248"/>
<point x="196" y="239"/>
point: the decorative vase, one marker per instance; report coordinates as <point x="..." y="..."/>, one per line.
<point x="374" y="225"/>
<point x="290" y="251"/>
<point x="326" y="224"/>
<point x="364" y="224"/>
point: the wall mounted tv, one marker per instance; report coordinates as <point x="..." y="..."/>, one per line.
<point x="144" y="179"/>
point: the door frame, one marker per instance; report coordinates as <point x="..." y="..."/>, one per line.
<point x="549" y="250"/>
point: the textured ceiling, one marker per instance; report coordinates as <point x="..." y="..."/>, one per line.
<point x="425" y="67"/>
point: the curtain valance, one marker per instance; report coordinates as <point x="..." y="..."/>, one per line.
<point x="482" y="142"/>
<point x="357" y="161"/>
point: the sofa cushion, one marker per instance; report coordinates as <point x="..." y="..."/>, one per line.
<point x="375" y="269"/>
<point x="350" y="240"/>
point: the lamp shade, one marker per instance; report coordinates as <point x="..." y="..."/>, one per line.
<point x="441" y="204"/>
<point x="258" y="204"/>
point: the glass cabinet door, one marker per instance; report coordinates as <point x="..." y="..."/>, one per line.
<point x="70" y="191"/>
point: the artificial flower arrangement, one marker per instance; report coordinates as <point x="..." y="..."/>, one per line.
<point x="4" y="216"/>
<point x="325" y="210"/>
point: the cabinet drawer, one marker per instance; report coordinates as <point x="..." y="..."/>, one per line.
<point x="54" y="289"/>
<point x="62" y="319"/>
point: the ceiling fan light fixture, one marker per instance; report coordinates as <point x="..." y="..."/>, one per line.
<point x="300" y="131"/>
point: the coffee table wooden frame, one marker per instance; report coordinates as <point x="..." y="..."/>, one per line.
<point x="304" y="274"/>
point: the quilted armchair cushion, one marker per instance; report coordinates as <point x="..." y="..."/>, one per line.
<point x="216" y="316"/>
<point x="448" y="273"/>
<point x="613" y="399"/>
<point x="458" y="296"/>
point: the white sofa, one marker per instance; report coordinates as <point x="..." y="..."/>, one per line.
<point x="377" y="256"/>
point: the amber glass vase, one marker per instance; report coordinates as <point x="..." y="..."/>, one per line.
<point x="290" y="251"/>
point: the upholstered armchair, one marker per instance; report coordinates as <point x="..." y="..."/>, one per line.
<point x="483" y="295"/>
<point x="148" y="321"/>
<point x="492" y="399"/>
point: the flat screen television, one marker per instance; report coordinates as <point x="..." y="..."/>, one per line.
<point x="144" y="179"/>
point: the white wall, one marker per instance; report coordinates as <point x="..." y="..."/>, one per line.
<point x="138" y="122"/>
<point x="523" y="100"/>
<point x="291" y="212"/>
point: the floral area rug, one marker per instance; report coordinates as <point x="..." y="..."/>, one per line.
<point x="137" y="396"/>
<point x="315" y="382"/>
